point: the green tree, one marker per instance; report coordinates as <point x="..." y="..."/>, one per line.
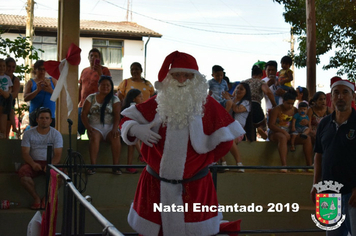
<point x="19" y="48"/>
<point x="335" y="30"/>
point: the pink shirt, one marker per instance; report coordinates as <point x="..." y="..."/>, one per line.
<point x="89" y="80"/>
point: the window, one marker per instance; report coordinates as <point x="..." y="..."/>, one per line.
<point x="111" y="52"/>
<point x="48" y="45"/>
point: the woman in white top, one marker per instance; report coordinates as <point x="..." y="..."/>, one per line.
<point x="241" y="112"/>
<point x="101" y="118"/>
<point x="242" y="104"/>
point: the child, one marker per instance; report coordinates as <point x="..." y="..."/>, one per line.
<point x="297" y="129"/>
<point x="241" y="111"/>
<point x="285" y="75"/>
<point x="241" y="108"/>
<point x="133" y="97"/>
<point x="10" y="69"/>
<point x="5" y="98"/>
<point x="218" y="87"/>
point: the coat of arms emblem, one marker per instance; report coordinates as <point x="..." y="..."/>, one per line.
<point x="328" y="206"/>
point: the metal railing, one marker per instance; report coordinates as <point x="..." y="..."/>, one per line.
<point x="70" y="192"/>
<point x="71" y="195"/>
<point x="109" y="228"/>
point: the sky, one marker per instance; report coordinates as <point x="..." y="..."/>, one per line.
<point x="232" y="33"/>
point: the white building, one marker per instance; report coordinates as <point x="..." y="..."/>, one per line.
<point x="120" y="43"/>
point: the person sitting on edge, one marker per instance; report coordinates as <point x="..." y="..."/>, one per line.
<point x="88" y="82"/>
<point x="218" y="86"/>
<point x="297" y="127"/>
<point x="241" y="112"/>
<point x="101" y="118"/>
<point x="34" y="153"/>
<point x="279" y="124"/>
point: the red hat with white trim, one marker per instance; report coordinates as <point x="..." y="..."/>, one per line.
<point x="178" y="61"/>
<point x="339" y="81"/>
<point x="334" y="79"/>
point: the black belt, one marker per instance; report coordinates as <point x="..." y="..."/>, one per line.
<point x="202" y="173"/>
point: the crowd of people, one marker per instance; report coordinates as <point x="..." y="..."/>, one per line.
<point x="190" y="124"/>
<point x="99" y="108"/>
<point x="290" y="117"/>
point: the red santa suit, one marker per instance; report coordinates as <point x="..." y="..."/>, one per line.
<point x="179" y="155"/>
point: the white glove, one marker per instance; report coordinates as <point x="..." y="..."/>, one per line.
<point x="145" y="134"/>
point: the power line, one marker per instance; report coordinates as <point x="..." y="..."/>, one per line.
<point x="95" y="5"/>
<point x="215" y="47"/>
<point x="244" y="27"/>
<point x="236" y="13"/>
<point x="45" y="6"/>
<point x="192" y="28"/>
<point x="210" y="25"/>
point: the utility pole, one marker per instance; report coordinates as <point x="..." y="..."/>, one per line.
<point x="29" y="32"/>
<point x="128" y="10"/>
<point x="131" y="10"/>
<point x="311" y="46"/>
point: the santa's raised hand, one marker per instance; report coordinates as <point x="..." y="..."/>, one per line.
<point x="145" y="133"/>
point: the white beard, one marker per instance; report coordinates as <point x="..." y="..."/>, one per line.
<point x="179" y="103"/>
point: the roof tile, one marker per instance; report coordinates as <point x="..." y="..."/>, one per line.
<point x="123" y="27"/>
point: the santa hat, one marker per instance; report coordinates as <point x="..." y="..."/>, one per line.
<point x="338" y="81"/>
<point x="177" y="61"/>
<point x="334" y="79"/>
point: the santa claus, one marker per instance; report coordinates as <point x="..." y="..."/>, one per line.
<point x="183" y="131"/>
